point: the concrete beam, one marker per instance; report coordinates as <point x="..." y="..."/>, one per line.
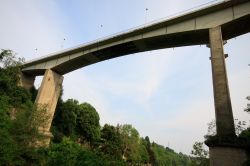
<point x="222" y="101"/>
<point x="46" y="100"/>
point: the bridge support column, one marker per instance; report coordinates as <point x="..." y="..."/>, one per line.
<point x="26" y="81"/>
<point x="46" y="100"/>
<point x="228" y="156"/>
<point x="222" y="101"/>
<point x="222" y="153"/>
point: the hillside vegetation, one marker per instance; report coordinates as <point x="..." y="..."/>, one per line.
<point x="79" y="139"/>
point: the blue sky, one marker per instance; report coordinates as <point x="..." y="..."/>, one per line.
<point x="165" y="94"/>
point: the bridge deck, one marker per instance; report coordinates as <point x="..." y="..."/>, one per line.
<point x="188" y="29"/>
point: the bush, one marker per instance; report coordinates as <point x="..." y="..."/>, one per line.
<point x="69" y="153"/>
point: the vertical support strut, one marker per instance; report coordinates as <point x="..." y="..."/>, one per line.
<point x="222" y="101"/>
<point x="46" y="100"/>
<point x="26" y="81"/>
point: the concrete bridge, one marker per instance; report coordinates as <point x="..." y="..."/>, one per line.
<point x="211" y="25"/>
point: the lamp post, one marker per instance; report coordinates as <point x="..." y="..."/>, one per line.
<point x="146" y="11"/>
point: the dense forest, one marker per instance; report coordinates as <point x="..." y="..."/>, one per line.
<point x="78" y="137"/>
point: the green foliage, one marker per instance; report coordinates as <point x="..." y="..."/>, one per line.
<point x="8" y="59"/>
<point x="167" y="157"/>
<point x="130" y="140"/>
<point x="16" y="113"/>
<point x="152" y="158"/>
<point x="248" y="105"/>
<point x="79" y="121"/>
<point x="75" y="126"/>
<point x="18" y="136"/>
<point x="199" y="151"/>
<point x="111" y="142"/>
<point x="11" y="94"/>
<point x="144" y="156"/>
<point x="211" y="132"/>
<point x="245" y="134"/>
<point x="64" y="122"/>
<point x="64" y="153"/>
<point x="239" y="126"/>
<point x="201" y="155"/>
<point x="8" y="148"/>
<point x="69" y="153"/>
<point x="88" y="126"/>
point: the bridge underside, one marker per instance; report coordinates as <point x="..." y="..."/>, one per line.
<point x="190" y="29"/>
<point x="189" y="38"/>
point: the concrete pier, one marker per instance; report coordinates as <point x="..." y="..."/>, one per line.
<point x="220" y="154"/>
<point x="222" y="101"/>
<point x="46" y="100"/>
<point x="227" y="156"/>
<point x="26" y="81"/>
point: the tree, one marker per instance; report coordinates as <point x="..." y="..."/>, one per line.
<point x="87" y="123"/>
<point x="78" y="121"/>
<point x="166" y="156"/>
<point x="11" y="94"/>
<point x="65" y="153"/>
<point x="112" y="142"/>
<point x="143" y="151"/>
<point x="64" y="122"/>
<point x="130" y="139"/>
<point x="17" y="125"/>
<point x="248" y="105"/>
<point x="245" y="134"/>
<point x="151" y="154"/>
<point x="201" y="155"/>
<point x="239" y="127"/>
<point x="8" y="59"/>
<point x="70" y="153"/>
<point x="211" y="129"/>
<point x="134" y="148"/>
